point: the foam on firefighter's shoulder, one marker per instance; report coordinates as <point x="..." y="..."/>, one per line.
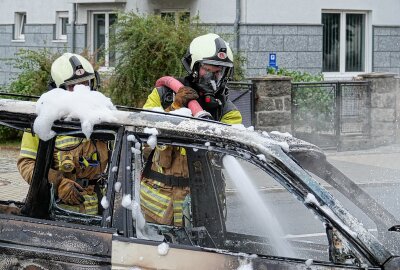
<point x="90" y="107"/>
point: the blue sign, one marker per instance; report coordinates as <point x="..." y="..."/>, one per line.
<point x="272" y="60"/>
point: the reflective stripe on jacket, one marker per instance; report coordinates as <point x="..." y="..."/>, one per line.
<point x="162" y="204"/>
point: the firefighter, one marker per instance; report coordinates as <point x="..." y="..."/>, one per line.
<point x="165" y="182"/>
<point x="78" y="163"/>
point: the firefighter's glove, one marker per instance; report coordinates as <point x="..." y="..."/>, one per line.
<point x="69" y="192"/>
<point x="55" y="177"/>
<point x="183" y="96"/>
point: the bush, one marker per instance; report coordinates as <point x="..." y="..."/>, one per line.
<point x="297" y="76"/>
<point x="35" y="71"/>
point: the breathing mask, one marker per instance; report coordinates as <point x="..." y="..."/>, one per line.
<point x="211" y="84"/>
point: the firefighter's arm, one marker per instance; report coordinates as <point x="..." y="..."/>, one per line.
<point x="153" y="100"/>
<point x="232" y="117"/>
<point x="27" y="165"/>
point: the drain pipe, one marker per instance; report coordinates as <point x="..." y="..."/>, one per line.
<point x="237" y="24"/>
<point x="74" y="12"/>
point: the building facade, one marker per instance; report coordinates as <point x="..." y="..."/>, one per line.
<point x="339" y="38"/>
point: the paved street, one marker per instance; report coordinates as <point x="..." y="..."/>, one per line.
<point x="12" y="186"/>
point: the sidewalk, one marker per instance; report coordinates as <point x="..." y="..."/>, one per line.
<point x="368" y="167"/>
<point x="12" y="186"/>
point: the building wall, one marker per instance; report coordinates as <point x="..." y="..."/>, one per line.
<point x="297" y="47"/>
<point x="292" y="29"/>
<point x="385" y="12"/>
<point x="37" y="36"/>
<point x="386" y="49"/>
<point x="38" y="11"/>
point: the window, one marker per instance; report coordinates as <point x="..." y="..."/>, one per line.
<point x="344" y="42"/>
<point x="61" y="25"/>
<point x="102" y="30"/>
<point x="175" y="16"/>
<point x="19" y="26"/>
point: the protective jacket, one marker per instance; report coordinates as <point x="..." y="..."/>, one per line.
<point x="89" y="159"/>
<point x="165" y="184"/>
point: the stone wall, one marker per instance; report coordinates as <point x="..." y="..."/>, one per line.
<point x="273" y="103"/>
<point x="273" y="109"/>
<point x="384" y="89"/>
<point x="386" y="49"/>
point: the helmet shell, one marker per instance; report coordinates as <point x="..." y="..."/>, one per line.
<point x="71" y="68"/>
<point x="208" y="49"/>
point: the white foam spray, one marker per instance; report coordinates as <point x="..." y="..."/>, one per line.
<point x="257" y="207"/>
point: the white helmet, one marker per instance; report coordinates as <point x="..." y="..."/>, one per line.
<point x="72" y="68"/>
<point x="209" y="49"/>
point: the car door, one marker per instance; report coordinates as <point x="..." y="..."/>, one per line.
<point x="223" y="231"/>
<point x="42" y="235"/>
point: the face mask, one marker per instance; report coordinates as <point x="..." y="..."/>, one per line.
<point x="208" y="84"/>
<point x="208" y="89"/>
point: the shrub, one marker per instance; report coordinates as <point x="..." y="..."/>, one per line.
<point x="35" y="71"/>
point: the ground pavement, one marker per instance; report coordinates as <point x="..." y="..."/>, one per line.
<point x="12" y="186"/>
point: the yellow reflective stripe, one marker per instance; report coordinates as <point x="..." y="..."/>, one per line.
<point x="154" y="196"/>
<point x="178" y="215"/>
<point x="65" y="141"/>
<point x="91" y="204"/>
<point x="178" y="205"/>
<point x="29" y="153"/>
<point x="152" y="193"/>
<point x="152" y="207"/>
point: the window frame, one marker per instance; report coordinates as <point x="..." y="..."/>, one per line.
<point x="107" y="14"/>
<point x="60" y="16"/>
<point x="342" y="74"/>
<point x="175" y="12"/>
<point x="19" y="25"/>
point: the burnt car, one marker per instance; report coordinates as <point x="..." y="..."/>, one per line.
<point x="295" y="223"/>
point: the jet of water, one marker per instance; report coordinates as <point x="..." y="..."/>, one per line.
<point x="257" y="207"/>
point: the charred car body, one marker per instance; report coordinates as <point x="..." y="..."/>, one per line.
<point x="49" y="237"/>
